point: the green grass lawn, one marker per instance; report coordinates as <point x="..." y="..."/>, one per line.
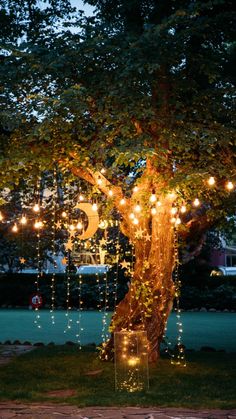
<point x="208" y="380"/>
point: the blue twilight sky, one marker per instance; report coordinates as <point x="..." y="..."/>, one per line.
<point x="80" y="5"/>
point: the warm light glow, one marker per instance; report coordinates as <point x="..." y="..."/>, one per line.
<point x="15" y="228"/>
<point x="173" y="210"/>
<point x="1" y="216"/>
<point x="173" y="220"/>
<point x="135" y="221"/>
<point x="94" y="207"/>
<point x="81" y="198"/>
<point x="135" y="189"/>
<point x="132" y="216"/>
<point x="110" y="193"/>
<point x="103" y="170"/>
<point x="211" y="181"/>
<point x="133" y="361"/>
<point x="178" y="221"/>
<point x="38" y="224"/>
<point x="183" y="209"/>
<point x="122" y="201"/>
<point x="72" y="227"/>
<point x="36" y="208"/>
<point x="79" y="225"/>
<point x="196" y="202"/>
<point x="99" y="181"/>
<point x="153" y="198"/>
<point x="137" y="208"/>
<point x="158" y="203"/>
<point x="23" y="220"/>
<point x="229" y="185"/>
<point x="64" y="214"/>
<point x="153" y="211"/>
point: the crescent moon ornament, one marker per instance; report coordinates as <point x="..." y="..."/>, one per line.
<point x="93" y="220"/>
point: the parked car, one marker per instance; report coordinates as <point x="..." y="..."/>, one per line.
<point x="223" y="271"/>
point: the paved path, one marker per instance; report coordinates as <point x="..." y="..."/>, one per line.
<point x="53" y="411"/>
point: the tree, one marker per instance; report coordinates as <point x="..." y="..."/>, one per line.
<point x="145" y="91"/>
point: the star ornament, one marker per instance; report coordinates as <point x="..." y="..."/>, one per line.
<point x="69" y="245"/>
<point x="139" y="233"/>
<point x="125" y="264"/>
<point x="22" y="260"/>
<point x="102" y="242"/>
<point x="64" y="261"/>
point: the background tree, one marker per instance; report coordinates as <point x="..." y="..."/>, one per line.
<point x="144" y="90"/>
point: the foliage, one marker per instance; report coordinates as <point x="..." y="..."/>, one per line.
<point x="32" y="376"/>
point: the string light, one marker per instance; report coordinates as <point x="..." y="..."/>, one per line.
<point x="15" y="228"/>
<point x="135" y="221"/>
<point x="122" y="201"/>
<point x="196" y="202"/>
<point x="36" y="208"/>
<point x="99" y="181"/>
<point x="183" y="209"/>
<point x="131" y="216"/>
<point x="38" y="224"/>
<point x="1" y="217"/>
<point x="173" y="211"/>
<point x="64" y="214"/>
<point x="153" y="197"/>
<point x="94" y="207"/>
<point x="153" y="211"/>
<point x="81" y="198"/>
<point x="72" y="227"/>
<point x="229" y="185"/>
<point x="110" y="192"/>
<point x="23" y="220"/>
<point x="137" y="208"/>
<point x="103" y="170"/>
<point x="135" y="189"/>
<point x="211" y="181"/>
<point x="79" y="225"/>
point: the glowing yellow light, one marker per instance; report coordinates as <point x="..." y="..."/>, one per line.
<point x="137" y="208"/>
<point x="178" y="221"/>
<point x="1" y="216"/>
<point x="183" y="209"/>
<point x="173" y="220"/>
<point x="110" y="193"/>
<point x="94" y="207"/>
<point x="173" y="210"/>
<point x="153" y="211"/>
<point x="122" y="201"/>
<point x="229" y="185"/>
<point x="153" y="198"/>
<point x="36" y="208"/>
<point x="23" y="220"/>
<point x="99" y="181"/>
<point x="81" y="198"/>
<point x="71" y="227"/>
<point x="131" y="216"/>
<point x="38" y="224"/>
<point x="158" y="203"/>
<point x="196" y="202"/>
<point x="15" y="228"/>
<point x="211" y="181"/>
<point x="135" y="189"/>
<point x="135" y="221"/>
<point x="133" y="361"/>
<point x="64" y="214"/>
<point x="79" y="225"/>
<point x="103" y="170"/>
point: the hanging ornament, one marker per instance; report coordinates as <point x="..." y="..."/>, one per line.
<point x="93" y="220"/>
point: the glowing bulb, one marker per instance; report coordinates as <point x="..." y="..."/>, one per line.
<point x="110" y="193"/>
<point x="23" y="220"/>
<point x="178" y="221"/>
<point x="173" y="210"/>
<point x="15" y="228"/>
<point x="122" y="201"/>
<point x="94" y="207"/>
<point x="211" y="181"/>
<point x="153" y="197"/>
<point x="173" y="220"/>
<point x="71" y="227"/>
<point x="158" y="203"/>
<point x="79" y="225"/>
<point x="38" y="224"/>
<point x="81" y="198"/>
<point x="1" y="216"/>
<point x="132" y="216"/>
<point x="196" y="202"/>
<point x="133" y="361"/>
<point x="99" y="181"/>
<point x="153" y="211"/>
<point x="137" y="208"/>
<point x="64" y="214"/>
<point x="229" y="185"/>
<point x="183" y="209"/>
<point x="135" y="189"/>
<point x="103" y="170"/>
<point x="36" y="208"/>
<point x="135" y="221"/>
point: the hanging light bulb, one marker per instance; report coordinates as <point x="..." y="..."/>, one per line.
<point x="137" y="208"/>
<point x="81" y="198"/>
<point x="131" y="216"/>
<point x="99" y="181"/>
<point x="135" y="189"/>
<point x="173" y="220"/>
<point x="173" y="211"/>
<point x="158" y="203"/>
<point x="153" y="211"/>
<point x="15" y="228"/>
<point x="110" y="192"/>
<point x="1" y="216"/>
<point x="38" y="224"/>
<point x="196" y="202"/>
<point x="153" y="197"/>
<point x="72" y="227"/>
<point x="94" y="207"/>
<point x="103" y="170"/>
<point x="36" y="208"/>
<point x="23" y="220"/>
<point x="229" y="185"/>
<point x="178" y="221"/>
<point x="122" y="201"/>
<point x="64" y="214"/>
<point x="211" y="181"/>
<point x="79" y="225"/>
<point x="183" y="209"/>
<point x="135" y="221"/>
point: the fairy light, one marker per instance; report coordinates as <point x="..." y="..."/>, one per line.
<point x="135" y="189"/>
<point x="137" y="208"/>
<point x="153" y="211"/>
<point x="173" y="211"/>
<point x="81" y="198"/>
<point x="79" y="226"/>
<point x="183" y="209"/>
<point x="131" y="216"/>
<point x="173" y="220"/>
<point x="15" y="228"/>
<point x="36" y="208"/>
<point x="1" y="216"/>
<point x="64" y="214"/>
<point x="52" y="308"/>
<point x="99" y="181"/>
<point x="135" y="221"/>
<point x="110" y="192"/>
<point x="178" y="221"/>
<point x="158" y="204"/>
<point x="103" y="170"/>
<point x="23" y="220"/>
<point x="38" y="224"/>
<point x="211" y="181"/>
<point x="196" y="202"/>
<point x="122" y="201"/>
<point x="94" y="207"/>
<point x="229" y="185"/>
<point x="37" y="320"/>
<point x="72" y="227"/>
<point x="78" y="321"/>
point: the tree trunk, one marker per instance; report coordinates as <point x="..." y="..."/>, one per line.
<point x="149" y="300"/>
